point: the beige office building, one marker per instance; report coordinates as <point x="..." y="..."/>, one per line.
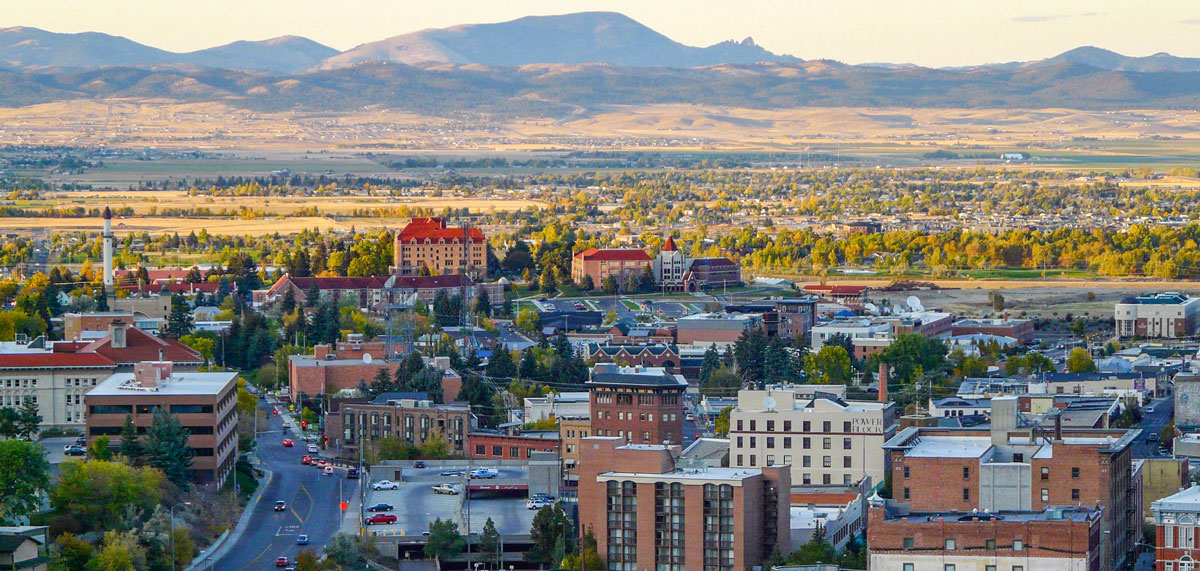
<point x="825" y="440"/>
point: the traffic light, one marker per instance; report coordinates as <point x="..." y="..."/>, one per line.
<point x="303" y="424"/>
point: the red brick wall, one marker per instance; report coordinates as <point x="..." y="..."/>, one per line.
<point x="607" y="419"/>
<point x="523" y="446"/>
<point x="935" y="484"/>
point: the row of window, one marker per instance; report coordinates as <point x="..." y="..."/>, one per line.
<point x="16" y="400"/>
<point x="951" y="567"/>
<point x="646" y="399"/>
<point x="805" y="442"/>
<point x="20" y="383"/>
<point x="149" y="409"/>
<point x="643" y="417"/>
<point x="498" y="451"/>
<point x="621" y="433"/>
<point x="805" y="426"/>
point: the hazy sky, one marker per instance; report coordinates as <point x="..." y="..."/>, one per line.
<point x="925" y="32"/>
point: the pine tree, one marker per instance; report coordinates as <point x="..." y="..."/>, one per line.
<point x="313" y="295"/>
<point x="489" y="543"/>
<point x="28" y="419"/>
<point x="289" y="301"/>
<point x="179" y="321"/>
<point x="102" y="298"/>
<point x="483" y="303"/>
<point x="131" y="447"/>
<point x="167" y="448"/>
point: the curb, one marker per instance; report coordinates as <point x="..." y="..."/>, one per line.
<point x="224" y="543"/>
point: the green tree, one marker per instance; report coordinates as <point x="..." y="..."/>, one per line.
<point x="591" y="555"/>
<point x="528" y="321"/>
<point x="549" y="524"/>
<point x="101" y="298"/>
<point x="98" y="493"/>
<point x="910" y="352"/>
<point x="28" y="419"/>
<point x="1078" y="361"/>
<point x="587" y="284"/>
<point x="829" y="366"/>
<point x="435" y="447"/>
<point x="721" y="425"/>
<point x="443" y="541"/>
<point x="749" y="352"/>
<point x="120" y="551"/>
<point x="712" y="360"/>
<point x="489" y="543"/>
<point x="343" y="549"/>
<point x="289" y="301"/>
<point x="202" y="343"/>
<point x="70" y="553"/>
<point x="24" y="476"/>
<point x="166" y="447"/>
<point x="609" y="284"/>
<point x="483" y="302"/>
<point x="179" y="320"/>
<point x="501" y="364"/>
<point x="100" y="449"/>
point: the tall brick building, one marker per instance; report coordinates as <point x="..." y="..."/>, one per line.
<point x="620" y="263"/>
<point x="638" y="404"/>
<point x="1017" y="468"/>
<point x="1177" y="531"/>
<point x="444" y="249"/>
<point x="646" y="513"/>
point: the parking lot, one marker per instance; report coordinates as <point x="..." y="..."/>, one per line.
<point x="416" y="505"/>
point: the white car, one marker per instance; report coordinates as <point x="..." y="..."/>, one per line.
<point x="484" y="473"/>
<point x="538" y="503"/>
<point x="445" y="489"/>
<point x="312" y="449"/>
<point x="385" y="485"/>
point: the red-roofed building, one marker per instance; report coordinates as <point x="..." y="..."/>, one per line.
<point x="617" y="262"/>
<point x="443" y="249"/>
<point x="373" y="292"/>
<point x="127" y="346"/>
<point x="56" y="381"/>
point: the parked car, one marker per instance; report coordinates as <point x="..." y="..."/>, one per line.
<point x="75" y="451"/>
<point x="445" y="489"/>
<point x="301" y="540"/>
<point x="380" y="518"/>
<point x="281" y="561"/>
<point x="81" y="441"/>
<point x="352" y="474"/>
<point x="453" y="472"/>
<point x="288" y="443"/>
<point x="280" y="506"/>
<point x="541" y="497"/>
<point x="538" y="503"/>
<point x="385" y="485"/>
<point x="484" y="473"/>
<point x="381" y="508"/>
<point x="419" y="464"/>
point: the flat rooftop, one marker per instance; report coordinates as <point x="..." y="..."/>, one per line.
<point x="1052" y="513"/>
<point x="186" y="383"/>
<point x="700" y="475"/>
<point x="950" y="447"/>
<point x="1186" y="500"/>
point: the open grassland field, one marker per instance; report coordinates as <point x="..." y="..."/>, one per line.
<point x="1034" y="298"/>
<point x="1082" y="139"/>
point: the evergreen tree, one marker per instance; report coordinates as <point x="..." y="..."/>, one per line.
<point x="711" y="362"/>
<point x="507" y="309"/>
<point x="609" y="284"/>
<point x="179" y="321"/>
<point x="167" y="449"/>
<point x="549" y="526"/>
<point x="501" y="364"/>
<point x="102" y="298"/>
<point x="131" y="447"/>
<point x="313" y="296"/>
<point x="646" y="280"/>
<point x="483" y="303"/>
<point x="489" y="543"/>
<point x="28" y="419"/>
<point x="587" y="284"/>
<point x="749" y="353"/>
<point x="289" y="301"/>
<point x="530" y="369"/>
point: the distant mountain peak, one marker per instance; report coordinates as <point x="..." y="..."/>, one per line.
<point x="749" y="42"/>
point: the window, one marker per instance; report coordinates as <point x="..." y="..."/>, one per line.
<point x="1075" y="472"/>
<point x="846" y="445"/>
<point x="770" y="426"/>
<point x="787" y="426"/>
<point x="846" y="462"/>
<point x="989" y="544"/>
<point x="827" y="443"/>
<point x="1022" y="567"/>
<point x="807" y="426"/>
<point x="1074" y="493"/>
<point x="739" y="424"/>
<point x="739" y="459"/>
<point x="908" y="567"/>
<point x="807" y="461"/>
<point x="908" y="544"/>
<point x="514" y="452"/>
<point x="753" y="460"/>
<point x="497" y="450"/>
<point x="906" y="472"/>
<point x="753" y="425"/>
<point x="826" y="479"/>
<point x="827" y="461"/>
<point x="739" y="442"/>
<point x="770" y="442"/>
<point x="806" y="479"/>
<point x="753" y="442"/>
<point x="770" y="460"/>
<point x="826" y="426"/>
<point x="787" y="459"/>
<point x="966" y="494"/>
<point x="191" y="408"/>
<point x="1045" y="495"/>
<point x="1018" y="545"/>
<point x="948" y="567"/>
<point x="1045" y="473"/>
<point x="989" y="568"/>
<point x="950" y="544"/>
<point x="1018" y="457"/>
<point x="807" y="443"/>
<point x="966" y="472"/>
<point x="787" y="442"/>
<point x="645" y="436"/>
<point x="906" y="496"/>
<point x="846" y="426"/>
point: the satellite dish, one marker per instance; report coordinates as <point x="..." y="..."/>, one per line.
<point x="914" y="303"/>
<point x="367" y="358"/>
<point x="874" y="309"/>
<point x="769" y="402"/>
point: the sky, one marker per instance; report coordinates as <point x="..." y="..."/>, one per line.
<point x="924" y="32"/>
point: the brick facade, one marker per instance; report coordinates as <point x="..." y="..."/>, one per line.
<point x="488" y="446"/>
<point x="642" y="411"/>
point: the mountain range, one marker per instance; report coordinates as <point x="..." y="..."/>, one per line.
<point x="551" y="64"/>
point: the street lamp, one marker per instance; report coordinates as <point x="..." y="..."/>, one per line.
<point x="172" y="525"/>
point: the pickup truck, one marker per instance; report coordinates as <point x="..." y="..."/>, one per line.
<point x="484" y="473"/>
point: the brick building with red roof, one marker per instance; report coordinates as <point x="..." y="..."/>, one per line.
<point x="126" y="345"/>
<point x="429" y="242"/>
<point x="601" y="263"/>
<point x="55" y="381"/>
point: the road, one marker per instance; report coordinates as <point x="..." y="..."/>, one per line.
<point x="312" y="500"/>
<point x="1153" y="423"/>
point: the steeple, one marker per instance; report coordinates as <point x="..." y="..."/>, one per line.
<point x="670" y="245"/>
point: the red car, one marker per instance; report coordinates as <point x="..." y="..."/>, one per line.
<point x="288" y="443"/>
<point x="274" y="411"/>
<point x="306" y="460"/>
<point x="380" y="518"/>
<point x="281" y="561"/>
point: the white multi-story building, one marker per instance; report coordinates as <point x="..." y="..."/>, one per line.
<point x="55" y="382"/>
<point x="1167" y="314"/>
<point x="825" y="440"/>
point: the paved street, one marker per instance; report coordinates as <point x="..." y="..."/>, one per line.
<point x="1153" y="423"/>
<point x="312" y="504"/>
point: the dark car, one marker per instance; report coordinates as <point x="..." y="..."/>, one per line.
<point x="301" y="540"/>
<point x="75" y="451"/>
<point x="380" y="518"/>
<point x="352" y="474"/>
<point x="381" y="508"/>
<point x="419" y="464"/>
<point x="81" y="441"/>
<point x="280" y="506"/>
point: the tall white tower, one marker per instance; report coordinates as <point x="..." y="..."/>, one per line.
<point x="108" y="245"/>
